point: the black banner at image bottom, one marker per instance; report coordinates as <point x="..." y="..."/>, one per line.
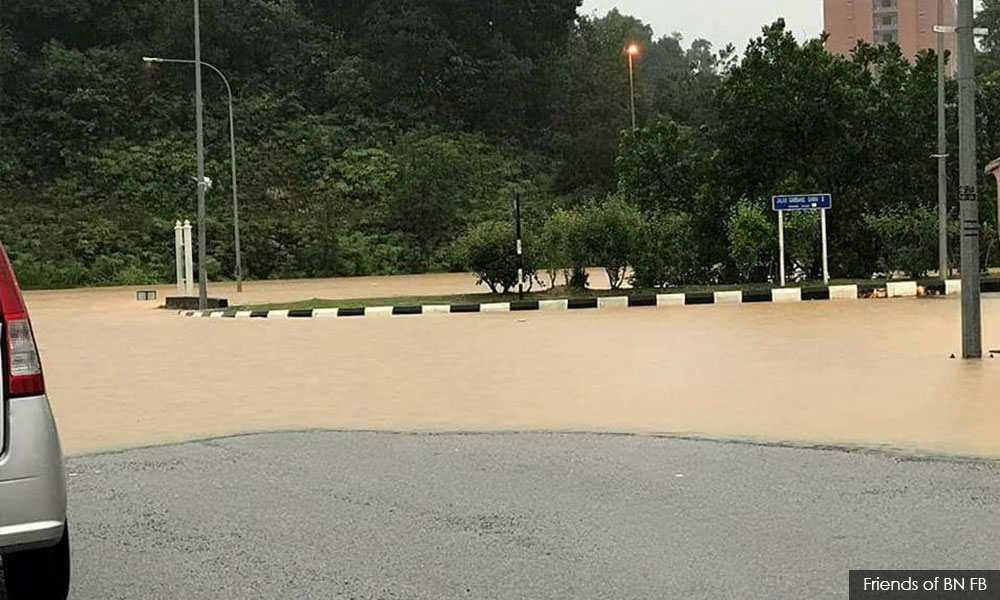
<point x="925" y="585"/>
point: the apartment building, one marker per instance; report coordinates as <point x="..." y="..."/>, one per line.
<point x="909" y="23"/>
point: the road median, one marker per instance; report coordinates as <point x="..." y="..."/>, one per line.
<point x="593" y="300"/>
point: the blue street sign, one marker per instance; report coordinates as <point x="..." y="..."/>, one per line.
<point x="803" y="202"/>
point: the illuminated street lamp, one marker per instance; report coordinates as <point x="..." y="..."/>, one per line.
<point x="232" y="161"/>
<point x="632" y="50"/>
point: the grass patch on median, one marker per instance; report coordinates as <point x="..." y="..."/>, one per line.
<point x="559" y="293"/>
<point x="316" y="303"/>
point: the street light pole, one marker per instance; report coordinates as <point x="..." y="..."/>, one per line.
<point x="200" y="135"/>
<point x="942" y="157"/>
<point x="232" y="160"/>
<point x="972" y="336"/>
<point x="632" y="50"/>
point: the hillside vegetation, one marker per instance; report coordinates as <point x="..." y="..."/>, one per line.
<point x="387" y="136"/>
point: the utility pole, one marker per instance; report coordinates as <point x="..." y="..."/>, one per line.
<point x="942" y="156"/>
<point x="972" y="336"/>
<point x="202" y="272"/>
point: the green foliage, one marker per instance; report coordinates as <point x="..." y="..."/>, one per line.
<point x="989" y="18"/>
<point x="906" y="240"/>
<point x="860" y="128"/>
<point x="673" y="168"/>
<point x="605" y="235"/>
<point x="666" y="251"/>
<point x="751" y="240"/>
<point x="988" y="244"/>
<point x="662" y="167"/>
<point x="589" y="101"/>
<point x="443" y="180"/>
<point x="551" y="247"/>
<point x="489" y="251"/>
<point x="52" y="274"/>
<point x="371" y="135"/>
<point x="803" y="241"/>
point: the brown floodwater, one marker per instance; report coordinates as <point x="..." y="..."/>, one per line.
<point x="871" y="372"/>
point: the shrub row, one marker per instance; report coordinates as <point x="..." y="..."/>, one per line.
<point x="660" y="249"/>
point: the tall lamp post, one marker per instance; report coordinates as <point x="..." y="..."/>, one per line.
<point x="202" y="182"/>
<point x="942" y="149"/>
<point x="942" y="153"/>
<point x="632" y="50"/>
<point x="232" y="160"/>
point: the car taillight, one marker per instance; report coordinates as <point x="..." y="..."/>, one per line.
<point x="24" y="369"/>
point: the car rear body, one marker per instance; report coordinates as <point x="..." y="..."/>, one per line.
<point x="32" y="479"/>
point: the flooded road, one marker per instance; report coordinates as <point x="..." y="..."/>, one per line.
<point x="873" y="373"/>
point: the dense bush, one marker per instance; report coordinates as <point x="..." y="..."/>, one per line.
<point x="906" y="239"/>
<point x="489" y="251"/>
<point x="551" y="247"/>
<point x="666" y="251"/>
<point x="803" y="241"/>
<point x="751" y="240"/>
<point x="605" y="235"/>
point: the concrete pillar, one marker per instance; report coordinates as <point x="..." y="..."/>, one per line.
<point x="188" y="260"/>
<point x="179" y="256"/>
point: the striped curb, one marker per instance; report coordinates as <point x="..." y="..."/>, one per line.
<point x="893" y="289"/>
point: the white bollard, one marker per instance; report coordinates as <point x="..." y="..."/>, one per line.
<point x="179" y="255"/>
<point x="188" y="260"/>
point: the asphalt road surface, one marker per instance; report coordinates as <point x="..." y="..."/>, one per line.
<point x="511" y="516"/>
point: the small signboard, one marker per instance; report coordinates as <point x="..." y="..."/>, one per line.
<point x="802" y="202"/>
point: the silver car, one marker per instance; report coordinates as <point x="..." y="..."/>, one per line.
<point x="34" y="535"/>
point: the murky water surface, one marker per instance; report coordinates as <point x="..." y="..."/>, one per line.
<point x="874" y="372"/>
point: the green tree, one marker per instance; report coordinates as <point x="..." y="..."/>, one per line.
<point x="666" y="251"/>
<point x="751" y="240"/>
<point x="443" y="184"/>
<point x="605" y="236"/>
<point x="803" y="241"/>
<point x="860" y="128"/>
<point x="663" y="167"/>
<point x="590" y="99"/>
<point x="906" y="239"/>
<point x="488" y="250"/>
<point x="551" y="246"/>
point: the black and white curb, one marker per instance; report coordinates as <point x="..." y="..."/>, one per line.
<point x="893" y="289"/>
